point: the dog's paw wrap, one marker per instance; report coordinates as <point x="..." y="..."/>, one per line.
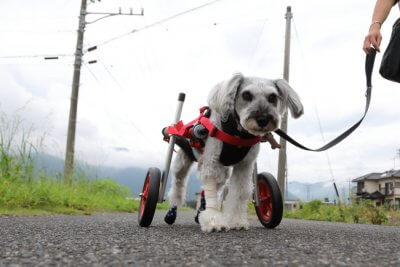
<point x="202" y="206"/>
<point x="170" y="217"/>
<point x="211" y="220"/>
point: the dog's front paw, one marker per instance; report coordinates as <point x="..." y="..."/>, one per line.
<point x="238" y="223"/>
<point x="212" y="220"/>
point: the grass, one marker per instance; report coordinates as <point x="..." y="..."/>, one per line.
<point x="24" y="190"/>
<point x="364" y="212"/>
<point x="48" y="195"/>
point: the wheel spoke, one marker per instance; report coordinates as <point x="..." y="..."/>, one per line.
<point x="265" y="198"/>
<point x="146" y="189"/>
<point x="144" y="195"/>
<point x="265" y="205"/>
<point x="269" y="207"/>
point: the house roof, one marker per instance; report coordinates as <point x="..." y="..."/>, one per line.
<point x="378" y="175"/>
<point x="391" y="174"/>
<point x="369" y="176"/>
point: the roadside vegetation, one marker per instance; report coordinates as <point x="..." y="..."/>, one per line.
<point x="364" y="212"/>
<point x="26" y="190"/>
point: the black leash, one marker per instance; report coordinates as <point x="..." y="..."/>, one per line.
<point x="369" y="65"/>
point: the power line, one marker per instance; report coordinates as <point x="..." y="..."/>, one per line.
<point x="109" y="73"/>
<point x="317" y="115"/>
<point x="127" y="117"/>
<point x="36" y="56"/>
<point x="38" y="18"/>
<point x="39" y="31"/>
<point x="158" y="22"/>
<point x="69" y="155"/>
<point x="105" y="104"/>
<point x="251" y="59"/>
<point x="323" y="139"/>
<point x="33" y="63"/>
<point x="123" y="90"/>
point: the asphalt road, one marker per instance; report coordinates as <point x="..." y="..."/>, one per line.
<point x="116" y="239"/>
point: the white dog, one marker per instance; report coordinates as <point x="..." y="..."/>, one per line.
<point x="251" y="107"/>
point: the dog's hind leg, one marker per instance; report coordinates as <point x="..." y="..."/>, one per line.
<point x="177" y="192"/>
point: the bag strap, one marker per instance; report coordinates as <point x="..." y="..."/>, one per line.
<point x="369" y="65"/>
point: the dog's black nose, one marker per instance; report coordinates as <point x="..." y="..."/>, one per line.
<point x="262" y="121"/>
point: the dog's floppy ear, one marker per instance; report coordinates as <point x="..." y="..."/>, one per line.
<point x="290" y="98"/>
<point x="222" y="96"/>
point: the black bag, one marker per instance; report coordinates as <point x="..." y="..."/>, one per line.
<point x="390" y="65"/>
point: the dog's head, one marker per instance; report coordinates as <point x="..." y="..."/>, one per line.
<point x="257" y="103"/>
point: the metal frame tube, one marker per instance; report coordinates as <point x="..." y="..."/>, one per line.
<point x="256" y="198"/>
<point x="164" y="177"/>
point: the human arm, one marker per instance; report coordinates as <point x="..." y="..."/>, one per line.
<point x="381" y="12"/>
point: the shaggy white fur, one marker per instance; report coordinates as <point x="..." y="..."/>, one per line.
<point x="259" y="103"/>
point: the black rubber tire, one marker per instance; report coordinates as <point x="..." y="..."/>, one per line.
<point x="149" y="197"/>
<point x="270" y="210"/>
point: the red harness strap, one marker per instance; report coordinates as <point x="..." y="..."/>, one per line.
<point x="185" y="131"/>
<point x="225" y="137"/>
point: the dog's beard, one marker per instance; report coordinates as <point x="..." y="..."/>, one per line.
<point x="251" y="126"/>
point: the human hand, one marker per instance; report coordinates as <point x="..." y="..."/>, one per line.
<point x="373" y="38"/>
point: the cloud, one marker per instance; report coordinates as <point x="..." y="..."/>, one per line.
<point x="130" y="94"/>
<point x="121" y="149"/>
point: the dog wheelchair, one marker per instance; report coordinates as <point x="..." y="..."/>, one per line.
<point x="267" y="197"/>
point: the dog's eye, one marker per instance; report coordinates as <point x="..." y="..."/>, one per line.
<point x="272" y="98"/>
<point x="247" y="96"/>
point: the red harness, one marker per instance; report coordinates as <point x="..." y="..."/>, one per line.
<point x="186" y="131"/>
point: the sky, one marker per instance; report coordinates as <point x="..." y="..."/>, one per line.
<point x="130" y="94"/>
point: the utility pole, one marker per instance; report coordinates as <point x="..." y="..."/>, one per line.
<point x="70" y="149"/>
<point x="336" y="191"/>
<point x="398" y="155"/>
<point x="284" y="122"/>
<point x="350" y="193"/>
<point x="286" y="183"/>
<point x="69" y="154"/>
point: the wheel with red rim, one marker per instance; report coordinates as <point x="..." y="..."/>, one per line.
<point x="270" y="209"/>
<point x="149" y="197"/>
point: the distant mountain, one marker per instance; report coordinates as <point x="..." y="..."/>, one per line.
<point x="291" y="196"/>
<point x="48" y="163"/>
<point x="133" y="178"/>
<point x="310" y="191"/>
